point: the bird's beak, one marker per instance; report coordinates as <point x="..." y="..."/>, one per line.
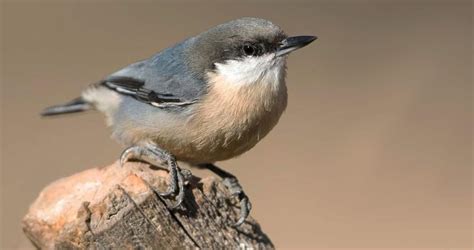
<point x="293" y="43"/>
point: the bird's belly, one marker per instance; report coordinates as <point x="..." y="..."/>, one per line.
<point x="209" y="150"/>
<point x="219" y="130"/>
<point x="200" y="143"/>
<point x="195" y="140"/>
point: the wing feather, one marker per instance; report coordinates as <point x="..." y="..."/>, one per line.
<point x="164" y="80"/>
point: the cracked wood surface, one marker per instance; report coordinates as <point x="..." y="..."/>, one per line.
<point x="117" y="207"/>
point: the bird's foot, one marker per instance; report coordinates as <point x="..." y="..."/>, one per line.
<point x="154" y="155"/>
<point x="235" y="189"/>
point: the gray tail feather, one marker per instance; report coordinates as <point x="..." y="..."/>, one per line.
<point x="74" y="106"/>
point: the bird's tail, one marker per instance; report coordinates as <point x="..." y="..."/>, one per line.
<point x="74" y="106"/>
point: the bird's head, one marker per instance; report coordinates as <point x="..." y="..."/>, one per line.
<point x="243" y="51"/>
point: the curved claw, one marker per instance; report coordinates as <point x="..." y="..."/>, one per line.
<point x="130" y="153"/>
<point x="245" y="207"/>
<point x="180" y="195"/>
<point x="172" y="183"/>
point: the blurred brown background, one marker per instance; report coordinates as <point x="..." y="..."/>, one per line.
<point x="373" y="151"/>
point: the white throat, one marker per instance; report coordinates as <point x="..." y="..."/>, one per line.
<point x="266" y="69"/>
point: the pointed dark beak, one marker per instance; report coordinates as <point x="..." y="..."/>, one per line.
<point x="293" y="43"/>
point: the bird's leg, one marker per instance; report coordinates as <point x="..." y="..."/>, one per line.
<point x="231" y="182"/>
<point x="153" y="154"/>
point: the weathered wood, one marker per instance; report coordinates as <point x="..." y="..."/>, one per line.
<point x="117" y="207"/>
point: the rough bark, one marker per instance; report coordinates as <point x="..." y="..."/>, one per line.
<point x="117" y="207"/>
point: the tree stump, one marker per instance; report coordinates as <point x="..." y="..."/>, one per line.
<point x="118" y="207"/>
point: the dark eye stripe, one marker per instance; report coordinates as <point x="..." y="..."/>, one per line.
<point x="260" y="45"/>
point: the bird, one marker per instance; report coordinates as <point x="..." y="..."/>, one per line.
<point x="208" y="98"/>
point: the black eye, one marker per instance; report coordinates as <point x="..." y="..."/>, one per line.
<point x="249" y="50"/>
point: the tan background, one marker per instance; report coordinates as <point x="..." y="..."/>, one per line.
<point x="373" y="151"/>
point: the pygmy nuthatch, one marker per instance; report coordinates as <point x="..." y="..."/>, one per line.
<point x="208" y="98"/>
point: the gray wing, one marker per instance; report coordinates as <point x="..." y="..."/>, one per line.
<point x="162" y="80"/>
